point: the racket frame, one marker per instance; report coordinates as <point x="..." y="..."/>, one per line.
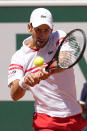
<point x="56" y="56"/>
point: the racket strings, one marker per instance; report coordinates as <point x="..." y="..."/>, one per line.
<point x="73" y="43"/>
<point x="70" y="50"/>
<point x="65" y="59"/>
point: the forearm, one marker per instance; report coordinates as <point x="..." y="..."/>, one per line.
<point x="32" y="79"/>
<point x="16" y="91"/>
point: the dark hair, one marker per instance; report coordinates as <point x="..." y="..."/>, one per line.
<point x="31" y="25"/>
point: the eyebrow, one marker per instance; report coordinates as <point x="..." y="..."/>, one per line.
<point x="42" y="29"/>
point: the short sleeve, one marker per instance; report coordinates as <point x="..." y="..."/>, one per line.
<point x="15" y="70"/>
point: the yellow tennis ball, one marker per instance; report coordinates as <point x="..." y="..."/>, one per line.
<point x="39" y="61"/>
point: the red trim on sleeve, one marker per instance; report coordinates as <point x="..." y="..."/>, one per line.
<point x="30" y="69"/>
<point x="15" y="68"/>
<point x="15" y="65"/>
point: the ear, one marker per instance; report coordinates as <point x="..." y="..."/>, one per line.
<point x="29" y="28"/>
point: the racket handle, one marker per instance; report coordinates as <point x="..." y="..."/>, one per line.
<point x="46" y="69"/>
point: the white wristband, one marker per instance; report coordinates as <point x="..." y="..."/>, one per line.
<point x="21" y="82"/>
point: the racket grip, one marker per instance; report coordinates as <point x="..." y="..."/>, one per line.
<point x="50" y="71"/>
<point x="46" y="69"/>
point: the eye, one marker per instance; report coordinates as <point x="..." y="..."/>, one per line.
<point x="37" y="30"/>
<point x="47" y="30"/>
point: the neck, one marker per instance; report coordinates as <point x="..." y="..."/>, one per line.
<point x="32" y="45"/>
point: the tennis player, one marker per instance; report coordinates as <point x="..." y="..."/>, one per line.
<point x="56" y="107"/>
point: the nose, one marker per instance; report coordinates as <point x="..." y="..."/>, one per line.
<point x="42" y="34"/>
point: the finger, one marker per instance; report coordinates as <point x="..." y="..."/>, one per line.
<point x="32" y="79"/>
<point x="27" y="81"/>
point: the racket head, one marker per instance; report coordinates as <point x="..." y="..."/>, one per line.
<point x="70" y="50"/>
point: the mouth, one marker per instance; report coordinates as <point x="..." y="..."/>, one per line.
<point x="40" y="41"/>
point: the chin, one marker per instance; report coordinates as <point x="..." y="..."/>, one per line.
<point x="40" y="45"/>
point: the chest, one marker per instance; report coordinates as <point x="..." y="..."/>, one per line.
<point x="47" y="53"/>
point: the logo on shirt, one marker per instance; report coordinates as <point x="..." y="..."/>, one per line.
<point x="50" y="52"/>
<point x="12" y="72"/>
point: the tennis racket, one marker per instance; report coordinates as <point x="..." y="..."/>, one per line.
<point x="70" y="51"/>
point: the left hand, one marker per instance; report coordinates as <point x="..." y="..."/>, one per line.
<point x="34" y="78"/>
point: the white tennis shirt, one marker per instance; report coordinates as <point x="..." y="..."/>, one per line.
<point x="55" y="96"/>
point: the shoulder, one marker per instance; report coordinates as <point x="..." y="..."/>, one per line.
<point x="59" y="33"/>
<point x="56" y="37"/>
<point x="23" y="56"/>
<point x="19" y="56"/>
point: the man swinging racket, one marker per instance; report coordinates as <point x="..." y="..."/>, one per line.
<point x="56" y="107"/>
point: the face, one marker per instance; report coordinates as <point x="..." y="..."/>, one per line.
<point x="41" y="35"/>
